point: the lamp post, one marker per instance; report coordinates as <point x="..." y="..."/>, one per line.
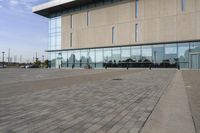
<point x="43" y="58"/>
<point x="3" y="58"/>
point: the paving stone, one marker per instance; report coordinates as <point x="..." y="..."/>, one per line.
<point x="91" y="102"/>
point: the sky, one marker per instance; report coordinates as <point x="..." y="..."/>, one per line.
<point x="24" y="32"/>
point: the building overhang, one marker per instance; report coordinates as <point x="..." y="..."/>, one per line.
<point x="55" y="6"/>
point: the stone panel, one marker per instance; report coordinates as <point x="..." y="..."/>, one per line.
<point x="151" y="8"/>
<point x="151" y="29"/>
<point x="186" y="29"/>
<point x="167" y="28"/>
<point x="167" y="7"/>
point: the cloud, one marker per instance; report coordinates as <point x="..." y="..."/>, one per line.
<point x="21" y="3"/>
<point x="19" y="6"/>
<point x="13" y="2"/>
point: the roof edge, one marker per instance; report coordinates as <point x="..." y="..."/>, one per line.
<point x="49" y="5"/>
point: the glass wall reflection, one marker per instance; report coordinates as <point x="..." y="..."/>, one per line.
<point x="160" y="56"/>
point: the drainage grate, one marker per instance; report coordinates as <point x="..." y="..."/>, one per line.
<point x="118" y="79"/>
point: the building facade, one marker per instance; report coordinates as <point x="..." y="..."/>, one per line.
<point x="121" y="33"/>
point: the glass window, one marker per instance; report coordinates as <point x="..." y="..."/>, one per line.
<point x="87" y="18"/>
<point x="195" y="47"/>
<point x="171" y="55"/>
<point x="107" y="55"/>
<point x="183" y="5"/>
<point x="136" y="53"/>
<point x="77" y="56"/>
<point x="136" y="8"/>
<point x="53" y="23"/>
<point x="158" y="54"/>
<point x="71" y="39"/>
<point x="91" y="57"/>
<point x="58" y="22"/>
<point x="84" y="56"/>
<point x="136" y="32"/>
<point x="71" y="21"/>
<point x="116" y="55"/>
<point x="126" y="54"/>
<point x="53" y="60"/>
<point x="99" y="58"/>
<point x="71" y="57"/>
<point x="113" y="35"/>
<point x="55" y="33"/>
<point x="64" y="59"/>
<point x="58" y="40"/>
<point x="183" y="53"/>
<point x="146" y="53"/>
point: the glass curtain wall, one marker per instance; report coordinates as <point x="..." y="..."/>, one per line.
<point x="84" y="58"/>
<point x="146" y="56"/>
<point x="92" y="58"/>
<point x="136" y="54"/>
<point x="125" y="57"/>
<point x="55" y="39"/>
<point x="116" y="57"/>
<point x="183" y="55"/>
<point x="99" y="58"/>
<point x="160" y="56"/>
<point x="171" y="56"/>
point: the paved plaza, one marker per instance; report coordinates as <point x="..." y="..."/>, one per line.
<point x="79" y="101"/>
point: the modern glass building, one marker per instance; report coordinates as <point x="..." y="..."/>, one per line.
<point x="121" y="33"/>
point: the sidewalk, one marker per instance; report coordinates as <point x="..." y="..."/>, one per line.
<point x="172" y="113"/>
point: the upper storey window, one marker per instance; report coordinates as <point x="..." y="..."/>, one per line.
<point x="87" y="18"/>
<point x="113" y="35"/>
<point x="136" y="32"/>
<point x="55" y="33"/>
<point x="71" y="21"/>
<point x="183" y="5"/>
<point x="136" y="8"/>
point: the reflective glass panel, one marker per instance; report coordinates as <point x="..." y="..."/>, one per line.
<point x="158" y="54"/>
<point x="171" y="55"/>
<point x="91" y="57"/>
<point x="71" y="57"/>
<point x="107" y="55"/>
<point x="147" y="53"/>
<point x="84" y="56"/>
<point x="136" y="53"/>
<point x="99" y="56"/>
<point x="64" y="59"/>
<point x="116" y="55"/>
<point x="53" y="60"/>
<point x="195" y="47"/>
<point x="126" y="54"/>
<point x="77" y="56"/>
<point x="183" y="55"/>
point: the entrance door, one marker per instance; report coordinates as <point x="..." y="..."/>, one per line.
<point x="195" y="61"/>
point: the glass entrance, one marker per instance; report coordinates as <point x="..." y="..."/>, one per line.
<point x="195" y="61"/>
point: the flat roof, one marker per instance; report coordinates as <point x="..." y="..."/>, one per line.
<point x="57" y="5"/>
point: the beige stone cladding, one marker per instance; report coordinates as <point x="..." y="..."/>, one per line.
<point x="158" y="21"/>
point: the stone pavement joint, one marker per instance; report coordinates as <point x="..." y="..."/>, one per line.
<point x="98" y="105"/>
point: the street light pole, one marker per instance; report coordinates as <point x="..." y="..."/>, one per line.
<point x="3" y="58"/>
<point x="43" y="58"/>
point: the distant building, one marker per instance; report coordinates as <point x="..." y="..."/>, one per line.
<point x="117" y="33"/>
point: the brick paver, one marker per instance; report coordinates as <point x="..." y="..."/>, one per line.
<point x="99" y="105"/>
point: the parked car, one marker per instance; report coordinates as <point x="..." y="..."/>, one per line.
<point x="32" y="66"/>
<point x="28" y="66"/>
<point x="23" y="66"/>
